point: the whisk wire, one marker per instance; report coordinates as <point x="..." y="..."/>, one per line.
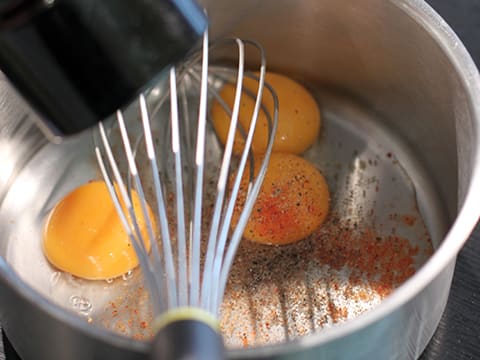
<point x="213" y="240"/>
<point x="131" y="227"/>
<point x="220" y="260"/>
<point x="199" y="175"/>
<point x="181" y="238"/>
<point x="183" y="278"/>
<point x="171" y="282"/>
<point x="132" y="166"/>
<point x="137" y="184"/>
<point x="237" y="234"/>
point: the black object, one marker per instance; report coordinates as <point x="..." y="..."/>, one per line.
<point x="9" y="351"/>
<point x="77" y="61"/>
<point x="187" y="339"/>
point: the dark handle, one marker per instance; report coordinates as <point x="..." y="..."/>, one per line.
<point x="188" y="340"/>
<point x="77" y="61"/>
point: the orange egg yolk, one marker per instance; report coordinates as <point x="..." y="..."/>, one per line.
<point x="84" y="236"/>
<point x="293" y="201"/>
<point x="298" y="116"/>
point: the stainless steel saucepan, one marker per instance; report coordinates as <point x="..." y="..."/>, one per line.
<point x="399" y="146"/>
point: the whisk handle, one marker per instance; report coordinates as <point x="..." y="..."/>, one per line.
<point x="190" y="339"/>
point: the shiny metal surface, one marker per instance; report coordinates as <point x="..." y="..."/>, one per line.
<point x="285" y="294"/>
<point x="374" y="180"/>
<point x="397" y="59"/>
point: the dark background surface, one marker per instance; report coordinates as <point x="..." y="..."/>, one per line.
<point x="458" y="335"/>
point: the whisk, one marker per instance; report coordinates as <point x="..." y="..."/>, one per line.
<point x="187" y="269"/>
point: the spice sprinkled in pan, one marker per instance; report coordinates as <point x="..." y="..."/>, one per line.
<point x="342" y="270"/>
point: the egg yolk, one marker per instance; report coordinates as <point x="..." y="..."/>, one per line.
<point x="293" y="201"/>
<point x="84" y="236"/>
<point x="298" y="115"/>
